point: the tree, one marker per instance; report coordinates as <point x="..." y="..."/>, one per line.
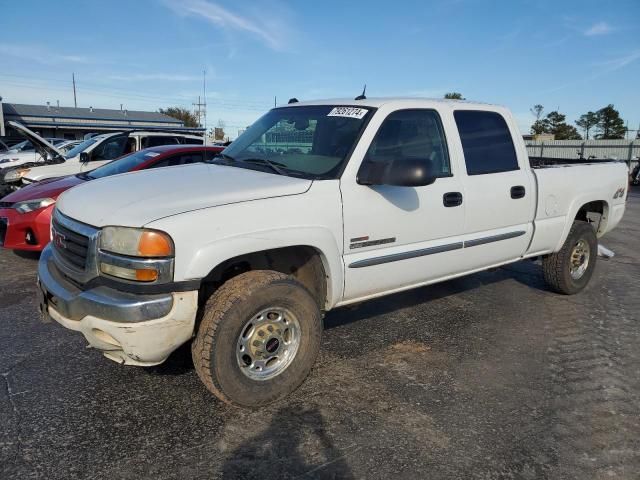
<point x="610" y="125"/>
<point x="454" y="96"/>
<point x="587" y="121"/>
<point x="537" y="128"/>
<point x="189" y="119"/>
<point x="555" y="124"/>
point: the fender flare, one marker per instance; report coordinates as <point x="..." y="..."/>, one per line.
<point x="574" y="208"/>
<point x="210" y="255"/>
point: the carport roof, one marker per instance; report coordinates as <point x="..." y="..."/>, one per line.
<point x="22" y="110"/>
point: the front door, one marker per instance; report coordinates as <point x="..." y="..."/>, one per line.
<point x="398" y="237"/>
<point x="108" y="150"/>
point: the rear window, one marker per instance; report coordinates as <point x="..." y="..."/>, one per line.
<point x="123" y="164"/>
<point x="486" y="142"/>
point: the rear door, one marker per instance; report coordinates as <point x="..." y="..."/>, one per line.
<point x="499" y="189"/>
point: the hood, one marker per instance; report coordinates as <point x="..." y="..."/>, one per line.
<point x="43" y="147"/>
<point x="138" y="198"/>
<point x="46" y="189"/>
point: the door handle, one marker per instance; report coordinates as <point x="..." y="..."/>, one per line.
<point x="518" y="192"/>
<point x="452" y="199"/>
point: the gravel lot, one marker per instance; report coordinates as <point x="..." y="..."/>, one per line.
<point x="488" y="376"/>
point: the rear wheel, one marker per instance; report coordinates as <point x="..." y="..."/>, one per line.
<point x="569" y="270"/>
<point x="258" y="339"/>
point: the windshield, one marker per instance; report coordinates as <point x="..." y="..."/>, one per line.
<point x="123" y="164"/>
<point x="80" y="148"/>
<point x="311" y="142"/>
<point x="24" y="145"/>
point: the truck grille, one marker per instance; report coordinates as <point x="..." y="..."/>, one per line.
<point x="3" y="230"/>
<point x="72" y="247"/>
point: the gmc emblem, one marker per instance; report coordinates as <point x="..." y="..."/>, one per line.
<point x="59" y="240"/>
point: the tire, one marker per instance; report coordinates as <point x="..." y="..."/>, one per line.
<point x="224" y="352"/>
<point x="557" y="267"/>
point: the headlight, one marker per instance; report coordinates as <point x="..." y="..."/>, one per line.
<point x="14" y="175"/>
<point x="136" y="242"/>
<point x="31" y="205"/>
<point x="136" y="254"/>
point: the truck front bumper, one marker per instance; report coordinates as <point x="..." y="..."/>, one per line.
<point x="132" y="329"/>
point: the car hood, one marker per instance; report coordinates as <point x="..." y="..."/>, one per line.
<point x="46" y="189"/>
<point x="40" y="172"/>
<point x="43" y="146"/>
<point x="138" y="198"/>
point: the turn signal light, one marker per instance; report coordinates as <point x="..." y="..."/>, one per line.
<point x="140" y="275"/>
<point x="154" y="244"/>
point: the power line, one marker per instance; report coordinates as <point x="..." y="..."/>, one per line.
<point x="98" y="89"/>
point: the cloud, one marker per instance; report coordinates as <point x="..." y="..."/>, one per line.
<point x="600" y="28"/>
<point x="619" y="62"/>
<point x="604" y="68"/>
<point x="269" y="32"/>
<point x="40" y="54"/>
<point x="168" y="77"/>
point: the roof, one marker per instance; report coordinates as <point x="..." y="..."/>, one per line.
<point x="378" y="102"/>
<point x="22" y="110"/>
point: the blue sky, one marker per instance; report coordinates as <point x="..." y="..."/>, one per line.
<point x="572" y="55"/>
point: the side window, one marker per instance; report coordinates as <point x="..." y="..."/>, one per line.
<point x="157" y="140"/>
<point x="110" y="149"/>
<point x="486" y="142"/>
<point x="191" y="141"/>
<point x="412" y="134"/>
<point x="181" y="159"/>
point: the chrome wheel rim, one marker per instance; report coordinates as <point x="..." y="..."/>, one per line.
<point x="579" y="259"/>
<point x="268" y="343"/>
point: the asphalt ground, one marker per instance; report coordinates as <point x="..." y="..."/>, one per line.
<point x="488" y="376"/>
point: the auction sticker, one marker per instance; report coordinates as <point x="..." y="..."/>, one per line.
<point x="349" y="112"/>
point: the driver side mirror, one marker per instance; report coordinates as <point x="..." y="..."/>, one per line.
<point x="84" y="157"/>
<point x="404" y="172"/>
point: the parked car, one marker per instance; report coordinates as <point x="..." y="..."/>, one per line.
<point x="26" y="152"/>
<point x="25" y="215"/>
<point x="89" y="154"/>
<point x="317" y="205"/>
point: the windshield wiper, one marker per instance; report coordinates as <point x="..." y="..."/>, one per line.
<point x="279" y="168"/>
<point x="276" y="167"/>
<point x="224" y="156"/>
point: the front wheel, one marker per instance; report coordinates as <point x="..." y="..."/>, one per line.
<point x="258" y="339"/>
<point x="569" y="270"/>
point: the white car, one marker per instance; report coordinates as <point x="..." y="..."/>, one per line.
<point x="316" y="206"/>
<point x="29" y="152"/>
<point x="89" y="154"/>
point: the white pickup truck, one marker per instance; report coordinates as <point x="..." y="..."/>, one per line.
<point x="317" y="205"/>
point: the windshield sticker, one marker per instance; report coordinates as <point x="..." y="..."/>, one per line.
<point x="349" y="112"/>
<point x="152" y="154"/>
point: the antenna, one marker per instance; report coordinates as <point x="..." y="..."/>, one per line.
<point x="362" y="95"/>
<point x="293" y="100"/>
<point x="75" y="102"/>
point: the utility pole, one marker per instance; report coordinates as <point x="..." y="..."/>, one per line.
<point x="197" y="109"/>
<point x="204" y="94"/>
<point x="75" y="102"/>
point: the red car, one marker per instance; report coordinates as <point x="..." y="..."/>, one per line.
<point x="25" y="214"/>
